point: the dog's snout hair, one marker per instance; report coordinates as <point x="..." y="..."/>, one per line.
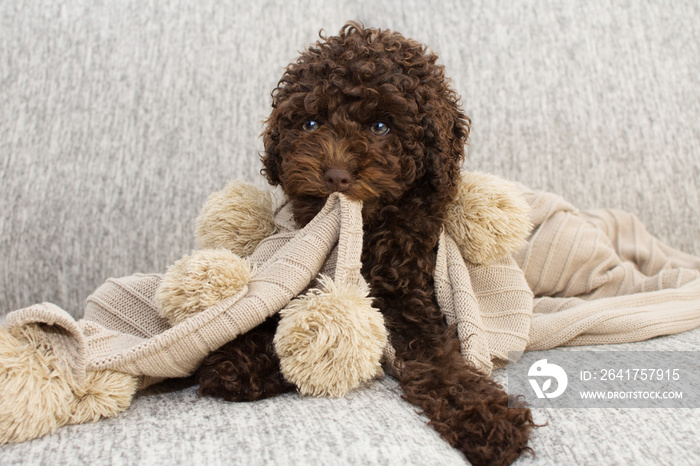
<point x="338" y="153"/>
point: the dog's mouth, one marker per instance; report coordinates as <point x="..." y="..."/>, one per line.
<point x="309" y="180"/>
<point x="309" y="193"/>
<point x="307" y="207"/>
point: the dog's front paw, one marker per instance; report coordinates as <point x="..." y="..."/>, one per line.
<point x="244" y="369"/>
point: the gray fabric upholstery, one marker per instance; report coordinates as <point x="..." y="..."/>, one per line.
<point x="118" y="119"/>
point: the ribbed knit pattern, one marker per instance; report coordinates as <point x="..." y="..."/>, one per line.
<point x="600" y="277"/>
<point x="491" y="305"/>
<point x="596" y="278"/>
<point x="122" y="329"/>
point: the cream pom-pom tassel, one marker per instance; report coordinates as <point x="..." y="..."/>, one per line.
<point x="488" y="219"/>
<point x="37" y="395"/>
<point x="236" y="218"/>
<point x="331" y="339"/>
<point x="199" y="281"/>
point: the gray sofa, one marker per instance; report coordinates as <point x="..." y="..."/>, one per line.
<point x="118" y="119"/>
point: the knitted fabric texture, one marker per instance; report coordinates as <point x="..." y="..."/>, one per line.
<point x="123" y="331"/>
<point x="596" y="277"/>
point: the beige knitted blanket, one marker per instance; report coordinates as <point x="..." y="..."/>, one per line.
<point x="596" y="278"/>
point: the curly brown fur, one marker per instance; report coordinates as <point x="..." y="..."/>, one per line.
<point x="327" y="133"/>
<point x="244" y="369"/>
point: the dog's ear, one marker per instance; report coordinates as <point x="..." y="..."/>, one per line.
<point x="446" y="130"/>
<point x="271" y="159"/>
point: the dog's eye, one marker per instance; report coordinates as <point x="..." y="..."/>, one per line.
<point x="311" y="125"/>
<point x="379" y="128"/>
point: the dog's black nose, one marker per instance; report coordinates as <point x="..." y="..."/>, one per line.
<point x="337" y="179"/>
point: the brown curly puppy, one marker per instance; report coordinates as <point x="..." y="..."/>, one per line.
<point x="371" y="114"/>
